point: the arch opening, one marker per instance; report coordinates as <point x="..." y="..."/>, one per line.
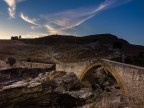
<point x="100" y="79"/>
<point x="103" y="76"/>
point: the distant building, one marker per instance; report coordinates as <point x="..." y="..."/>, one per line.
<point x="16" y="37"/>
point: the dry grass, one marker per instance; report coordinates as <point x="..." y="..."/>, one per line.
<point x="21" y="51"/>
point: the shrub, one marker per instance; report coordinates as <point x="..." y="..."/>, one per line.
<point x="11" y="61"/>
<point x="141" y="54"/>
<point x="117" y="45"/>
<point x="29" y="59"/>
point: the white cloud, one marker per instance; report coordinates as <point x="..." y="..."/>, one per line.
<point x="60" y="22"/>
<point x="12" y="6"/>
<point x="29" y="20"/>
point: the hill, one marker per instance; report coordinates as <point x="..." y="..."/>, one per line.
<point x="59" y="48"/>
<point x="62" y="39"/>
<point x="11" y="43"/>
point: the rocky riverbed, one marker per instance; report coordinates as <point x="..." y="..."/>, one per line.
<point x="63" y="90"/>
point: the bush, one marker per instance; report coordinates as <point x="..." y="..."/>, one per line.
<point x="141" y="54"/>
<point x="11" y="61"/>
<point x="29" y="59"/>
<point x="117" y="45"/>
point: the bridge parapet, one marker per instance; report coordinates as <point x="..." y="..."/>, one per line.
<point x="76" y="67"/>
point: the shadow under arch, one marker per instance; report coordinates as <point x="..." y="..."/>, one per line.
<point x="109" y="68"/>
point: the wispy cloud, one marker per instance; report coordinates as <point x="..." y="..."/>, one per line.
<point x="62" y="21"/>
<point x="29" y="20"/>
<point x="12" y="6"/>
<point x="52" y="30"/>
<point x="34" y="35"/>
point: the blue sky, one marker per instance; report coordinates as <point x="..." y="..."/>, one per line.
<point x="34" y="18"/>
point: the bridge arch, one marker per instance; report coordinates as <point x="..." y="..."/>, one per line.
<point x="109" y="68"/>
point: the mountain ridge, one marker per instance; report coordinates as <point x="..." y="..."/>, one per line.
<point x="69" y="39"/>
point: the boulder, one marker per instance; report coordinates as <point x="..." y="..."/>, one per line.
<point x="61" y="84"/>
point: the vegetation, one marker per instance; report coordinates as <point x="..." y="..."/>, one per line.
<point x="11" y="61"/>
<point x="28" y="59"/>
<point x="117" y="45"/>
<point x="138" y="61"/>
<point x="141" y="54"/>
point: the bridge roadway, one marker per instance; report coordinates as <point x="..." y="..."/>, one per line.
<point x="129" y="77"/>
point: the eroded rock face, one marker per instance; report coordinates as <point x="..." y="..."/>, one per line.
<point x="49" y="89"/>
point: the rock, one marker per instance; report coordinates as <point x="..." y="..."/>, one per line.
<point x="18" y="84"/>
<point x="83" y="93"/>
<point x="33" y="84"/>
<point x="54" y="89"/>
<point x="64" y="83"/>
<point x="42" y="91"/>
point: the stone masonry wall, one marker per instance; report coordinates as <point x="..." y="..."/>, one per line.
<point x="133" y="76"/>
<point x="77" y="68"/>
<point x="19" y="64"/>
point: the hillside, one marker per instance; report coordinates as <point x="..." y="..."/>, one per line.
<point x="60" y="39"/>
<point x="58" y="48"/>
<point x="10" y="43"/>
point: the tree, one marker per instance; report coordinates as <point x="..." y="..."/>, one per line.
<point x="28" y="59"/>
<point x="141" y="55"/>
<point x="11" y="61"/>
<point x="20" y="37"/>
<point x="117" y="45"/>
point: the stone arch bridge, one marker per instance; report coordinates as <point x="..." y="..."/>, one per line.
<point x="129" y="77"/>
